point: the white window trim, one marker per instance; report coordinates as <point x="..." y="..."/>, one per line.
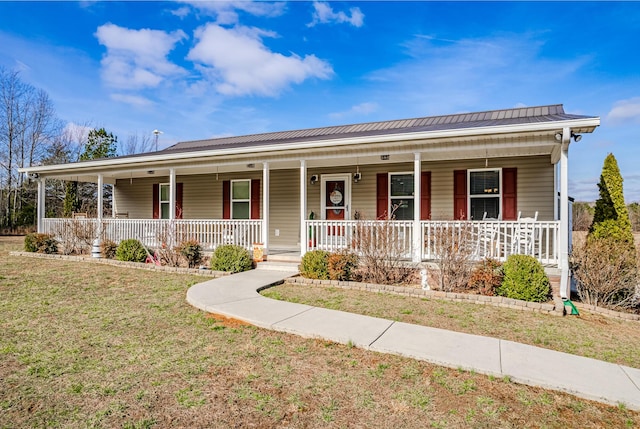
<point x="241" y="200"/>
<point x="161" y="201"/>
<point x="389" y="196"/>
<point x="499" y="194"/>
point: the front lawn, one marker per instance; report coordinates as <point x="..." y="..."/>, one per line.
<point x="87" y="345"/>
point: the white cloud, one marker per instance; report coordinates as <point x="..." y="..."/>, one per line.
<point x="181" y="12"/>
<point x="323" y="13"/>
<point x="624" y="111"/>
<point x="226" y="11"/>
<point x="361" y="109"/>
<point x="137" y="58"/>
<point x="134" y="100"/>
<point x="239" y="63"/>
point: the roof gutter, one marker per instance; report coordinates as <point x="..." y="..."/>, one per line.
<point x="458" y="132"/>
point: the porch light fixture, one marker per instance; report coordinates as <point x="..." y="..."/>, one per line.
<point x="384" y="157"/>
<point x="559" y="136"/>
<point x="150" y="172"/>
<point x="576" y="137"/>
<point x="251" y="165"/>
<point x="357" y="177"/>
<point x="314" y="179"/>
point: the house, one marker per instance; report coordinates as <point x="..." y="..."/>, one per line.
<point x="500" y="174"/>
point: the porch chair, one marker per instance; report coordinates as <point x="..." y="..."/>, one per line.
<point x="524" y="237"/>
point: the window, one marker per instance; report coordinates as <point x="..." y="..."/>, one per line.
<point x="401" y="198"/>
<point x="164" y="200"/>
<point x="484" y="194"/>
<point x="240" y="199"/>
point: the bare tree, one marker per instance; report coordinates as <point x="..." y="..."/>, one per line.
<point x="136" y="143"/>
<point x="27" y="126"/>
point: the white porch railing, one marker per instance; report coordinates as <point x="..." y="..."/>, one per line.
<point x="499" y="239"/>
<point x="335" y="235"/>
<point x="153" y="232"/>
<point x="494" y="239"/>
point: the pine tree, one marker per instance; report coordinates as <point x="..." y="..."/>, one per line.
<point x="611" y="217"/>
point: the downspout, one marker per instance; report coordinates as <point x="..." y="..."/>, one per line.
<point x="564" y="214"/>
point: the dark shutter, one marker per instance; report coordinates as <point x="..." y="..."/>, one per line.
<point x="382" y="196"/>
<point x="460" y="194"/>
<point x="255" y="198"/>
<point x="226" y="199"/>
<point x="509" y="194"/>
<point x="425" y="195"/>
<point x="156" y="201"/>
<point x="179" y="188"/>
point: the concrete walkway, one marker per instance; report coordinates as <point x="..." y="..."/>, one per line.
<point x="237" y="296"/>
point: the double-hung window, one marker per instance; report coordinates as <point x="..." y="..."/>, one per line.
<point x="401" y="198"/>
<point x="163" y="200"/>
<point x="485" y="194"/>
<point x="240" y="199"/>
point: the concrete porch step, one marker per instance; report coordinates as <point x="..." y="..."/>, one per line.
<point x="278" y="265"/>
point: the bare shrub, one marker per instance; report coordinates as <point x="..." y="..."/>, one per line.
<point x="486" y="277"/>
<point x="168" y="251"/>
<point x="454" y="248"/>
<point x="76" y="235"/>
<point x="606" y="271"/>
<point x="382" y="252"/>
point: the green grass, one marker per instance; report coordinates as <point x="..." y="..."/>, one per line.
<point x="589" y="335"/>
<point x="93" y="346"/>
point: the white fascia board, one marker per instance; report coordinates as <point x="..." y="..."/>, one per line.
<point x="588" y="123"/>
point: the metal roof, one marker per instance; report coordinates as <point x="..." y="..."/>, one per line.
<point x="522" y="115"/>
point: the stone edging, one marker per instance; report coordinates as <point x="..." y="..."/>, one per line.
<point x="113" y="262"/>
<point x="556" y="308"/>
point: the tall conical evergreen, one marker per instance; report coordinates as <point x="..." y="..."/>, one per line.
<point x="611" y="218"/>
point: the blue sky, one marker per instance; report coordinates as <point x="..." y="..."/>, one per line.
<point x="196" y="69"/>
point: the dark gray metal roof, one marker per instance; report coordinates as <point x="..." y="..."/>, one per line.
<point x="523" y="115"/>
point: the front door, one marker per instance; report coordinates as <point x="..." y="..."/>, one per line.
<point x="336" y="196"/>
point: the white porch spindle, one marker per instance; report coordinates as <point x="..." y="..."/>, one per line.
<point x="41" y="201"/>
<point x="303" y="207"/>
<point x="265" y="208"/>
<point x="417" y="232"/>
<point x="564" y="214"/>
<point x="100" y="196"/>
<point x="172" y="194"/>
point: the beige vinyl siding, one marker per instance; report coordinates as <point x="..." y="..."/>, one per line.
<point x="202" y="194"/>
<point x="284" y="208"/>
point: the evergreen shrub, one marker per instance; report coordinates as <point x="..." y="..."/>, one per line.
<point x="131" y="250"/>
<point x="314" y="265"/>
<point x="231" y="258"/>
<point x="524" y="279"/>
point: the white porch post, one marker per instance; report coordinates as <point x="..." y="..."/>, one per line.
<point x="172" y="193"/>
<point x="265" y="207"/>
<point x="40" y="207"/>
<point x="564" y="214"/>
<point x="100" y="196"/>
<point x="303" y="207"/>
<point x="417" y="232"/>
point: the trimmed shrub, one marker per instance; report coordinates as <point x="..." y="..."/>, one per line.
<point x="40" y="243"/>
<point x="342" y="265"/>
<point x="314" y="265"/>
<point x="192" y="252"/>
<point x="108" y="249"/>
<point x="486" y="277"/>
<point x="525" y="279"/>
<point x="131" y="250"/>
<point x="606" y="272"/>
<point x="231" y="258"/>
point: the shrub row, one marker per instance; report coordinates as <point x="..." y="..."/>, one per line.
<point x="40" y="243"/>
